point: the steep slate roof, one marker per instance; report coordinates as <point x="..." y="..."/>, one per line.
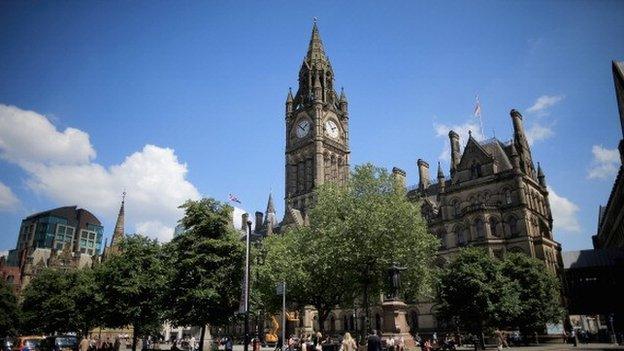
<point x="495" y="149"/>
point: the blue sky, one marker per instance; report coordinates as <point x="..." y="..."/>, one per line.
<point x="172" y="100"/>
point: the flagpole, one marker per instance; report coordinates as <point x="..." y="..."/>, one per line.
<point x="248" y="242"/>
<point x="477" y="113"/>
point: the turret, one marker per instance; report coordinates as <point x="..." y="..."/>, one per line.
<point x="289" y="102"/>
<point x="440" y="178"/>
<point x="540" y="175"/>
<point x="423" y="174"/>
<point x="455" y="155"/>
<point x="399" y="176"/>
<point x="344" y="104"/>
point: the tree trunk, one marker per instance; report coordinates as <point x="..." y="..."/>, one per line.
<point x="201" y="337"/>
<point x="134" y="339"/>
<point x="322" y="317"/>
<point x="366" y="327"/>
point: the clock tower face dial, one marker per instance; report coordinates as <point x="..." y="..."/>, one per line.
<point x="331" y="129"/>
<point x="302" y="128"/>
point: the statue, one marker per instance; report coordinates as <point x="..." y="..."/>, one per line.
<point x="395" y="280"/>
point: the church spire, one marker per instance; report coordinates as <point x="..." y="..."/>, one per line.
<point x="118" y="234"/>
<point x="270" y="207"/>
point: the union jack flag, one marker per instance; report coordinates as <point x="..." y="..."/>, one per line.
<point x="233" y="198"/>
<point x="477" y="110"/>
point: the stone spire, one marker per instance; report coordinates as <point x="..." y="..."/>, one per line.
<point x="118" y="234"/>
<point x="316" y="51"/>
<point x="440" y="173"/>
<point x="270" y="217"/>
<point x="316" y="75"/>
<point x="540" y="175"/>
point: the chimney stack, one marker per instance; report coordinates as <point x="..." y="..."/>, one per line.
<point x="399" y="176"/>
<point x="423" y="174"/>
<point x="244" y="219"/>
<point x="259" y="216"/>
<point x="455" y="155"/>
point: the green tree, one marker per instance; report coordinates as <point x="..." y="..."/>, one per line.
<point x="207" y="264"/>
<point x="9" y="312"/>
<point x="356" y="232"/>
<point x="48" y="304"/>
<point x="475" y="294"/>
<point x="539" y="293"/>
<point x="132" y="282"/>
<point x="374" y="226"/>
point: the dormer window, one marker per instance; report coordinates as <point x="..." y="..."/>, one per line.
<point x="507" y="197"/>
<point x="475" y="170"/>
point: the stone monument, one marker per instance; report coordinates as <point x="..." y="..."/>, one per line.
<point x="395" y="310"/>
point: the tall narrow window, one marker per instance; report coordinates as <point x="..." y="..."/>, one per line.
<point x="513" y="226"/>
<point x="480" y="228"/>
<point x="493" y="227"/>
<point x="456" y="209"/>
<point x="508" y="197"/>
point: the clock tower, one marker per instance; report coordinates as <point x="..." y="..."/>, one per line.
<point x="317" y="131"/>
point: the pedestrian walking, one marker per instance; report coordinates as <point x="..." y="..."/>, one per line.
<point x="348" y="343"/>
<point x="373" y="342"/>
<point x="84" y="344"/>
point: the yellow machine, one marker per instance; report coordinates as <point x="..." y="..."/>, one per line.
<point x="271" y="337"/>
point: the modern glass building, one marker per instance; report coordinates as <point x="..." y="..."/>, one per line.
<point x="65" y="227"/>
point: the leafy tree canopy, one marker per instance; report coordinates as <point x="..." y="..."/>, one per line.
<point x="9" y="312"/>
<point x="475" y="294"/>
<point x="132" y="283"/>
<point x="356" y="232"/>
<point x="539" y="293"/>
<point x="206" y="266"/>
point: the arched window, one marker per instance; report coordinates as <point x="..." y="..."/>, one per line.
<point x="332" y="324"/>
<point x="493" y="227"/>
<point x="455" y="208"/>
<point x="480" y="228"/>
<point x="513" y="226"/>
<point x="345" y="323"/>
<point x="507" y="197"/>
<point x="462" y="237"/>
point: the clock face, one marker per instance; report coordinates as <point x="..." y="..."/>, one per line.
<point x="331" y="129"/>
<point x="303" y="128"/>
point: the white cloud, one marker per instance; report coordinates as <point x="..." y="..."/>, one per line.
<point x="463" y="130"/>
<point x="153" y="177"/>
<point x="604" y="164"/>
<point x="4" y="253"/>
<point x="8" y="200"/>
<point x="544" y="102"/>
<point x="155" y="229"/>
<point x="27" y="137"/>
<point x="538" y="132"/>
<point x="564" y="213"/>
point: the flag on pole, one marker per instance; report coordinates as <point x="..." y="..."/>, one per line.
<point x="477" y="109"/>
<point x="233" y="198"/>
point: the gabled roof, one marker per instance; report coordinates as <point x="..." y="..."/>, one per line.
<point x="470" y="145"/>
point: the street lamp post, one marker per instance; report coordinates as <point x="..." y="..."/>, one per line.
<point x="248" y="243"/>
